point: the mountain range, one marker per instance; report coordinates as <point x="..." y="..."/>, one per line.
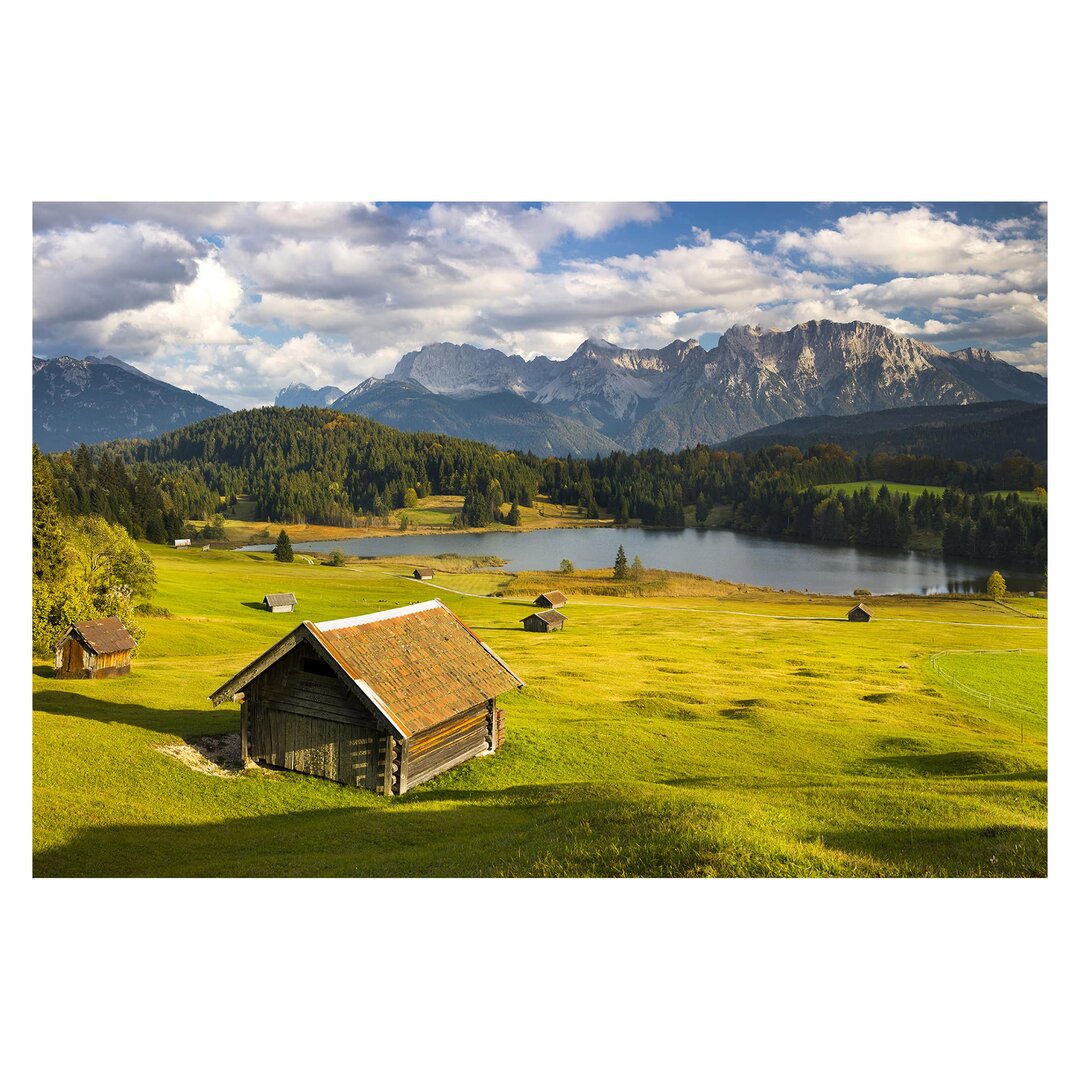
<point x="102" y="398"/>
<point x="601" y="398"/>
<point x="297" y="394"/>
<point x="683" y="394"/>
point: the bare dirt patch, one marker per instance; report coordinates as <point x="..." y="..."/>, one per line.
<point x="215" y="755"/>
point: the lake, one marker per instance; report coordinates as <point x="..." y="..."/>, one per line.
<point x="716" y="553"/>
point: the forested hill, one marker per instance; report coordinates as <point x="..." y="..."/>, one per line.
<point x="980" y="433"/>
<point x="311" y="464"/>
<point x="320" y="466"/>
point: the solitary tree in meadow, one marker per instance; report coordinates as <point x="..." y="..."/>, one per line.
<point x="620" y="564"/>
<point x="283" y="548"/>
<point x="566" y="567"/>
<point x="637" y="568"/>
<point x="995" y="586"/>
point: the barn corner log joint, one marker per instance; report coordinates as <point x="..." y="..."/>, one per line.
<point x="382" y="701"/>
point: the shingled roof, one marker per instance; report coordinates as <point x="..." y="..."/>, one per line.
<point x="550" y="617"/>
<point x="417" y="665"/>
<point x="280" y="599"/>
<point x="102" y="636"/>
<point x="551" y="599"/>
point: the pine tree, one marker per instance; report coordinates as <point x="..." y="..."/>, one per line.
<point x="48" y="546"/>
<point x="995" y="586"/>
<point x="620" y="564"/>
<point x="283" y="548"/>
<point x="514" y="517"/>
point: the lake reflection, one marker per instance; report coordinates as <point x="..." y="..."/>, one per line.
<point x="716" y="553"/>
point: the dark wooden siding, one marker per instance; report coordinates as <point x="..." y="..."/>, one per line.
<point x="302" y="719"/>
<point x="446" y="745"/>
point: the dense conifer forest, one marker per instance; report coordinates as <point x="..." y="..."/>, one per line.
<point x="319" y="466"/>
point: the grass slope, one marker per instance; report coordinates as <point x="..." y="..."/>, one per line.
<point x="915" y="490"/>
<point x="740" y="735"/>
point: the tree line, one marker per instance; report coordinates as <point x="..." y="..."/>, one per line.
<point x="318" y="466"/>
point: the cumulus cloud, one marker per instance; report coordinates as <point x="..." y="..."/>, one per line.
<point x="919" y="241"/>
<point x="82" y="275"/>
<point x="236" y="299"/>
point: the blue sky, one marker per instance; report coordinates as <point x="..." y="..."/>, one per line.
<point x="235" y="300"/>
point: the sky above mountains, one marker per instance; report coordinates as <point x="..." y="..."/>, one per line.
<point x="235" y="300"/>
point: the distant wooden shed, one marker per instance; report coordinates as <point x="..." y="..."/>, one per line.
<point x="423" y="573"/>
<point x="94" y="649"/>
<point x="544" y="622"/>
<point x="382" y="701"/>
<point x="279" y="601"/>
<point x="554" y="599"/>
<point x="181" y="543"/>
<point x="859" y="613"/>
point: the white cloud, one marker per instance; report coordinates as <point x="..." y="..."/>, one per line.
<point x="917" y="241"/>
<point x="348" y="288"/>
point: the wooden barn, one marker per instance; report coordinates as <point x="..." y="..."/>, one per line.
<point x="859" y="613"/>
<point x="544" y="622"/>
<point x="554" y="599"/>
<point x="382" y="701"/>
<point x="94" y="649"/>
<point x="279" y="601"/>
<point x="423" y="573"/>
<point x="181" y="543"/>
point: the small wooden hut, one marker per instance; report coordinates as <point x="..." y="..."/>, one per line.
<point x="279" y="601"/>
<point x="859" y="613"/>
<point x="544" y="622"/>
<point x="94" y="649"/>
<point x="423" y="573"/>
<point x="553" y="599"/>
<point x="181" y="543"/>
<point x="382" y="701"/>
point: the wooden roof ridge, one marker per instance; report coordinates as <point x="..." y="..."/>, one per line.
<point x="321" y="637"/>
<point x="547" y="615"/>
<point x="105" y="635"/>
<point x="551" y="594"/>
<point x="860" y="606"/>
<point x="287" y="596"/>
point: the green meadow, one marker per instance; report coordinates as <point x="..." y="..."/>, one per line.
<point x="744" y="735"/>
<point x="915" y="490"/>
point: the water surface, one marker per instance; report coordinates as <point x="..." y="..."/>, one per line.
<point x="716" y="553"/>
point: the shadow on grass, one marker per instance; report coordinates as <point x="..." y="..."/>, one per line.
<point x="992" y="851"/>
<point x="537" y="831"/>
<point x="980" y="764"/>
<point x="254" y="604"/>
<point x="180" y="722"/>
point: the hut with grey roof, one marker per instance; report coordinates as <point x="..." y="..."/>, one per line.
<point x="859" y="613"/>
<point x="94" y="649"/>
<point x="544" y="622"/>
<point x="279" y="601"/>
<point x="382" y="701"/>
<point x="553" y="599"/>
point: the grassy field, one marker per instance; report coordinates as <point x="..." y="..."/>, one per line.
<point x="431" y="515"/>
<point x="742" y="734"/>
<point x="915" y="490"/>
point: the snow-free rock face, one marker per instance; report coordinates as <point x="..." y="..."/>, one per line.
<point x="462" y="370"/>
<point x="682" y="394"/>
<point x="101" y="398"/>
<point x="503" y="419"/>
<point x="297" y="394"/>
